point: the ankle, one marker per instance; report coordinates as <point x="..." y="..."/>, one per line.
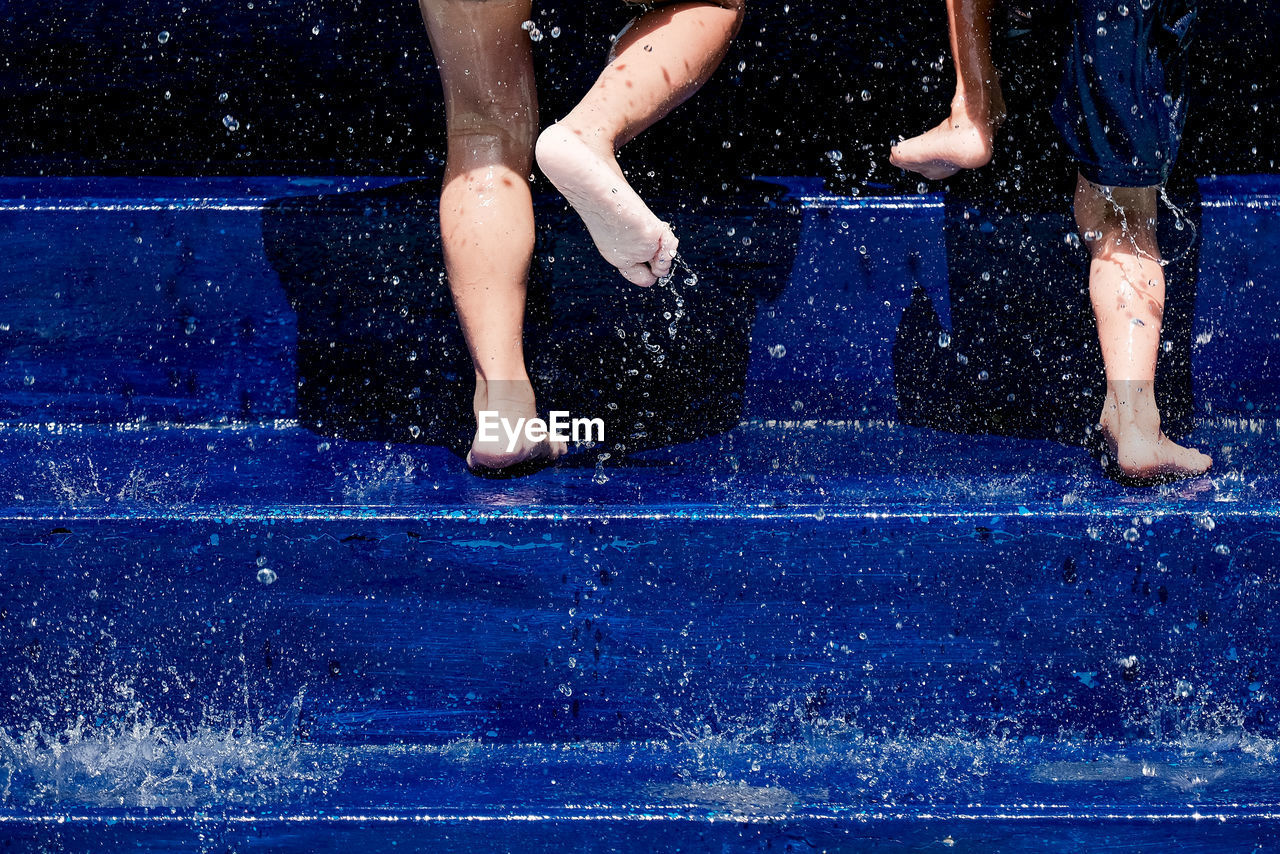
<point x="591" y="133"/>
<point x="511" y="390"/>
<point x="983" y="108"/>
<point x="1133" y="412"/>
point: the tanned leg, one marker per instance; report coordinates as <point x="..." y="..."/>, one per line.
<point x="486" y="214"/>
<point x="966" y="138"/>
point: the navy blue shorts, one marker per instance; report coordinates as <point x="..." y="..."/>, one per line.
<point x="1123" y="104"/>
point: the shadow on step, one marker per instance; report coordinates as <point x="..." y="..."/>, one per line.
<point x="1021" y="357"/>
<point x="381" y="356"/>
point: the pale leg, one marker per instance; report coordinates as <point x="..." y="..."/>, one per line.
<point x="662" y="59"/>
<point x="1126" y="287"/>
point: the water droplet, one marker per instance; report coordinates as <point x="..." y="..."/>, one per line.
<point x="230" y="123"/>
<point x="777" y="351"/>
<point x="1131" y="535"/>
<point x="162" y="36"/>
<point x="267" y="575"/>
<point x="1205" y="522"/>
<point x="944" y="340"/>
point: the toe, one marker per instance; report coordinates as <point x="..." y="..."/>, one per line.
<point x="662" y="261"/>
<point x="638" y="274"/>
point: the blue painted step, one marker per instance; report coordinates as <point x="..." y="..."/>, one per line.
<point x="192" y="301"/>
<point x="769" y="587"/>
<point x="646" y="833"/>
<point x="771" y="598"/>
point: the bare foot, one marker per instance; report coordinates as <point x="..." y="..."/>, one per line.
<point x="507" y="403"/>
<point x="625" y="231"/>
<point x="961" y="141"/>
<point x="1137" y="447"/>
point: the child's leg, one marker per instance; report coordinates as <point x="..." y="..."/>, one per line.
<point x="965" y="139"/>
<point x="1126" y="286"/>
<point x="661" y="60"/>
<point x="486" y="215"/>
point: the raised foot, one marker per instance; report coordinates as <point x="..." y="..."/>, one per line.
<point x="500" y="448"/>
<point x="1144" y="458"/>
<point x="625" y="231"/>
<point x="959" y="142"/>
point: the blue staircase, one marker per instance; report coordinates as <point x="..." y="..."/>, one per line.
<point x="841" y="577"/>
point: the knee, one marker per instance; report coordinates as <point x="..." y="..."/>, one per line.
<point x="510" y="126"/>
<point x="739" y="10"/>
<point x="1117" y="220"/>
<point x="1111" y="231"/>
<point x="738" y="6"/>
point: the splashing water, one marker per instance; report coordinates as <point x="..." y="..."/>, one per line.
<point x="690" y="280"/>
<point x="1181" y="221"/>
<point x="136" y="762"/>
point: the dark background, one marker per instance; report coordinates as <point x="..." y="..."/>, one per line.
<point x="87" y="88"/>
<point x="350" y="88"/>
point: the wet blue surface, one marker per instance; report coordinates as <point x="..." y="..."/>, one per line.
<point x="768" y="468"/>
<point x="1123" y="837"/>
<point x="248" y="591"/>
<point x="194" y="301"/>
